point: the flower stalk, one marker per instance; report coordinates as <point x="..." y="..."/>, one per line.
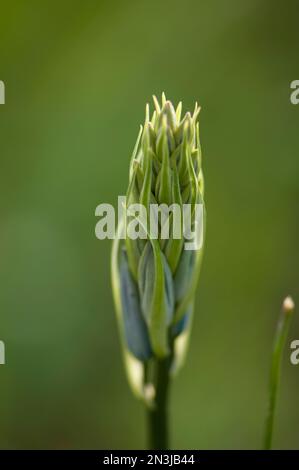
<point x="288" y="308"/>
<point x="158" y="425"/>
<point x="155" y="271"/>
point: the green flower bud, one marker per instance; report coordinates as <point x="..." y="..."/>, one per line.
<point x="154" y="277"/>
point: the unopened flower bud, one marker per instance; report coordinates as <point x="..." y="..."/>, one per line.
<point x="155" y="277"/>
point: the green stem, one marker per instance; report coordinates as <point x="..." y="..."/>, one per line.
<point x="279" y="342"/>
<point x="158" y="432"/>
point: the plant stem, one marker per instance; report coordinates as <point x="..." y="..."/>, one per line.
<point x="158" y="432"/>
<point x="279" y="342"/>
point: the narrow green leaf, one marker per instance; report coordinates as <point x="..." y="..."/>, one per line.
<point x="134" y="154"/>
<point x="164" y="194"/>
<point x="174" y="245"/>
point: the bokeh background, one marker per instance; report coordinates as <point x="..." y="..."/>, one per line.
<point x="78" y="75"/>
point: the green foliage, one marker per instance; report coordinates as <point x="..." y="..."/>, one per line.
<point x="165" y="169"/>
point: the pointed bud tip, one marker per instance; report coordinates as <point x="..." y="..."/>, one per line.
<point x="188" y="121"/>
<point x="288" y="305"/>
<point x="168" y="107"/>
<point x="196" y="112"/>
<point x="156" y="104"/>
<point x="146" y="112"/>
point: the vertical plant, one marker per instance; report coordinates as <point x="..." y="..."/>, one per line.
<point x="154" y="278"/>
<point x="282" y="329"/>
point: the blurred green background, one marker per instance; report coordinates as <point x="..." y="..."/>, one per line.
<point x="78" y="75"/>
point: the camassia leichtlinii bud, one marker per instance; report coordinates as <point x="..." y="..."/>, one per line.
<point x="155" y="275"/>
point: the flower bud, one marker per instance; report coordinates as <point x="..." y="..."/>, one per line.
<point x="155" y="277"/>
